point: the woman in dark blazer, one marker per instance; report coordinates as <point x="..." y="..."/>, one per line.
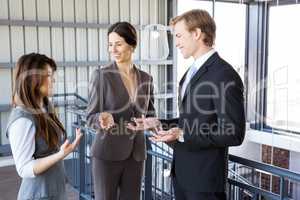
<point x="119" y="93"/>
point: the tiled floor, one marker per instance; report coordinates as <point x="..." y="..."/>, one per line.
<point x="9" y="185"/>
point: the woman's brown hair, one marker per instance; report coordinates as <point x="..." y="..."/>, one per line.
<point x="30" y="74"/>
<point x="126" y="31"/>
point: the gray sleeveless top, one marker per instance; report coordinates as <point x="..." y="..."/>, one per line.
<point x="49" y="185"/>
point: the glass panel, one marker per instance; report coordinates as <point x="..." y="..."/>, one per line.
<point x="183" y="6"/>
<point x="283" y="94"/>
<point x="230" y="34"/>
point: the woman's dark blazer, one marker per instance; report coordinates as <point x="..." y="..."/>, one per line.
<point x="109" y="94"/>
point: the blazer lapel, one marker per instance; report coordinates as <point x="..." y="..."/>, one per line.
<point x="117" y="79"/>
<point x="142" y="93"/>
<point x="198" y="75"/>
<point x="139" y="84"/>
<point x="180" y="85"/>
<point x="203" y="69"/>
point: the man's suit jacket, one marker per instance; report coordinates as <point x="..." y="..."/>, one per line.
<point x="109" y="94"/>
<point x="211" y="114"/>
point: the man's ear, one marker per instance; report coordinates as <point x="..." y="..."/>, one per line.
<point x="197" y="33"/>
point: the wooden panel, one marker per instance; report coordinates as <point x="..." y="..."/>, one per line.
<point x="30" y="39"/>
<point x="17" y="42"/>
<point x="44" y="41"/>
<point x="30" y="10"/>
<point x="15" y="7"/>
<point x="81" y="44"/>
<point x="4" y="41"/>
<point x="42" y="9"/>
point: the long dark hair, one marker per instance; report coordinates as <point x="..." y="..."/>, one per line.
<point x="30" y="74"/>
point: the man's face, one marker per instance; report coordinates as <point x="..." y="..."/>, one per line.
<point x="185" y="40"/>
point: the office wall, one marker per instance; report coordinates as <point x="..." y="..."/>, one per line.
<point x="74" y="33"/>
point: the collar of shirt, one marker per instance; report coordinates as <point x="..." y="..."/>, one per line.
<point x="202" y="59"/>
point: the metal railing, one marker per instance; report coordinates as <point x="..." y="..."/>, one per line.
<point x="244" y="176"/>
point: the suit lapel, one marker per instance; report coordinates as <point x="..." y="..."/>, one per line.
<point x="139" y="87"/>
<point x="142" y="92"/>
<point x="203" y="69"/>
<point x="197" y="76"/>
<point x="180" y="85"/>
<point x="120" y="87"/>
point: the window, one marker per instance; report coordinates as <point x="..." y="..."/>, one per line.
<point x="230" y="34"/>
<point x="283" y="80"/>
<point x="183" y="6"/>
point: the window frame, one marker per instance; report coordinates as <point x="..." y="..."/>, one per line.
<point x="263" y="124"/>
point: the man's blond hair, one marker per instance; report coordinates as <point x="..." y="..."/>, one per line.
<point x="201" y="19"/>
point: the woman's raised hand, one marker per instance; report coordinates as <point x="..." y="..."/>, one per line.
<point x="67" y="147"/>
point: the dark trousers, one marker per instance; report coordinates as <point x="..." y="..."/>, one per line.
<point x="181" y="194"/>
<point x="117" y="179"/>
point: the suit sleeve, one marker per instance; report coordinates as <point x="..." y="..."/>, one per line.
<point x="96" y="98"/>
<point x="229" y="130"/>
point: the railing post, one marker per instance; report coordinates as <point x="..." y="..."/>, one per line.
<point x="229" y="191"/>
<point x="282" y="188"/>
<point x="256" y="196"/>
<point x="148" y="173"/>
<point x="253" y="176"/>
<point x="234" y="187"/>
<point x="82" y="184"/>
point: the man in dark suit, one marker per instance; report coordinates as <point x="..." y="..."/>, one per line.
<point x="211" y="113"/>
